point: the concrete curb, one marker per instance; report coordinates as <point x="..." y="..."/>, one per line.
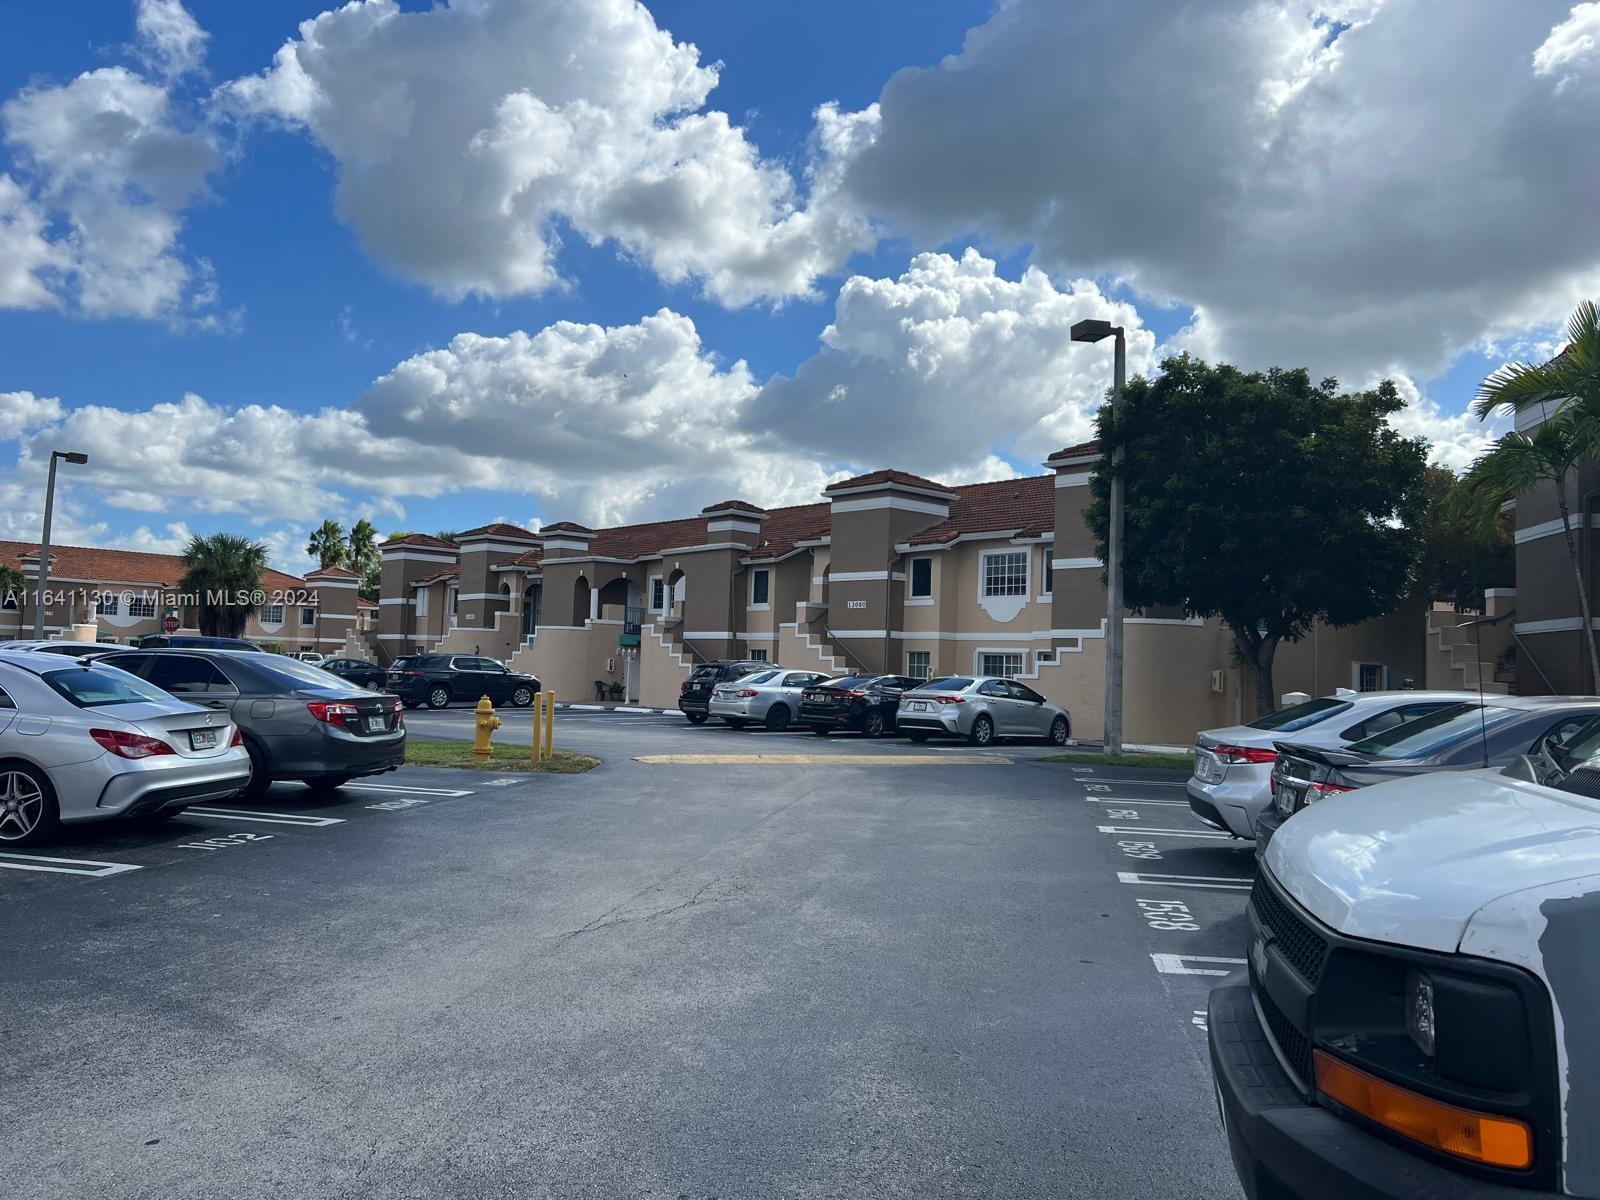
<point x="629" y="710"/>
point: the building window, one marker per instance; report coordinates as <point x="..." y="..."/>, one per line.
<point x="759" y="584"/>
<point x="422" y="602"/>
<point x="455" y="601"/>
<point x="107" y="604"/>
<point x="1006" y="664"/>
<point x="308" y="616"/>
<point x="10" y="601"/>
<point x="142" y="606"/>
<point x="272" y="614"/>
<point x="1005" y="573"/>
<point x="758" y="656"/>
<point x="1049" y="572"/>
<point x="1369" y="677"/>
<point x="919" y="663"/>
<point x="921" y="578"/>
<point x="658" y="593"/>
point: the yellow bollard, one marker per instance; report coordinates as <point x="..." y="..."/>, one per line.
<point x="486" y="724"/>
<point x="549" y="725"/>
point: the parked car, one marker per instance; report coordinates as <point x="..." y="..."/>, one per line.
<point x="81" y="741"/>
<point x="441" y="679"/>
<point x="358" y="671"/>
<point x="1461" y="737"/>
<point x="307" y="656"/>
<point x="769" y="697"/>
<point x="1232" y="781"/>
<point x="980" y="708"/>
<point x="865" y="703"/>
<point x="156" y="641"/>
<point x="70" y="649"/>
<point x="694" y="693"/>
<point x="298" y="722"/>
<point x="1416" y="1016"/>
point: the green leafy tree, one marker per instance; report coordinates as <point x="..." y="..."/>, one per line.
<point x="1461" y="554"/>
<point x="364" y="557"/>
<point x="1262" y="499"/>
<point x="1566" y="392"/>
<point x="12" y="585"/>
<point x="223" y="572"/>
<point x="327" y="545"/>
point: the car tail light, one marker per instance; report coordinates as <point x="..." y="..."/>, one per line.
<point x="130" y="745"/>
<point x="1477" y="1137"/>
<point x="237" y="739"/>
<point x="331" y="713"/>
<point x="683" y="688"/>
<point x="1244" y="754"/>
<point x="746" y="693"/>
<point x="856" y="695"/>
<point x="948" y="699"/>
<point x="1321" y="791"/>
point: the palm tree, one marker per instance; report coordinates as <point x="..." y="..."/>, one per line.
<point x="223" y="573"/>
<point x="1519" y="462"/>
<point x="365" y="560"/>
<point x="11" y="586"/>
<point x="1566" y="393"/>
<point x="327" y="544"/>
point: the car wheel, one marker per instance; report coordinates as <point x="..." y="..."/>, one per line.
<point x="778" y="718"/>
<point x="696" y="718"/>
<point x="733" y="722"/>
<point x="1060" y="731"/>
<point x="919" y="738"/>
<point x="522" y="697"/>
<point x="260" y="773"/>
<point x="328" y="783"/>
<point x="820" y="730"/>
<point x="873" y="726"/>
<point x="438" y="697"/>
<point x="982" y="731"/>
<point x="28" y="810"/>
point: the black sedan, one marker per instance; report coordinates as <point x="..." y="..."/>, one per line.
<point x="865" y="703"/>
<point x="440" y="679"/>
<point x="1460" y="737"/>
<point x="357" y="670"/>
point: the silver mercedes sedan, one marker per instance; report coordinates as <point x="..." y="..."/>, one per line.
<point x="980" y="708"/>
<point x="769" y="698"/>
<point x="82" y="742"/>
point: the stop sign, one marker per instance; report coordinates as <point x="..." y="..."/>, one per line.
<point x="169" y="624"/>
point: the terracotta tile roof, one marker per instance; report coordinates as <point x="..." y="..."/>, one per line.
<point x="741" y="505"/>
<point x="528" y="558"/>
<point x="419" y="539"/>
<point x="498" y="529"/>
<point x="120" y="566"/>
<point x="1078" y="451"/>
<point x="1026" y="505"/>
<point x="363" y="602"/>
<point x="447" y="573"/>
<point x="785" y="527"/>
<point x="634" y="541"/>
<point x="566" y="527"/>
<point x="889" y="476"/>
<point x="336" y="572"/>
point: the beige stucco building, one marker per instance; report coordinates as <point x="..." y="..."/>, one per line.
<point x="887" y="572"/>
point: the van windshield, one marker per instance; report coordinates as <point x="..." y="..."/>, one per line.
<point x="1299" y="716"/>
<point x="1430" y="734"/>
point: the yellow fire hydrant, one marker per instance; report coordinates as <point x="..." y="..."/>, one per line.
<point x="487" y="723"/>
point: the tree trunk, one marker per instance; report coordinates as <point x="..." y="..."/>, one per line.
<point x="1258" y="651"/>
<point x="1583" y="590"/>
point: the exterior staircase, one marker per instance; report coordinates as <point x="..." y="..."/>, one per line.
<point x="797" y="649"/>
<point x="1467" y="651"/>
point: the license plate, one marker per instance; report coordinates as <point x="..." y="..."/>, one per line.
<point x="202" y="739"/>
<point x="918" y="706"/>
<point x="1284" y="795"/>
<point x="375" y="724"/>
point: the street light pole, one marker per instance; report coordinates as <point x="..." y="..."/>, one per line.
<point x="1094" y="331"/>
<point x="76" y="459"/>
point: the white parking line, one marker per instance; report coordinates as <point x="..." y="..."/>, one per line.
<point x="37" y="862"/>
<point x="1173" y="964"/>
<point x="1220" y="883"/>
<point x="409" y="791"/>
<point x="263" y="818"/>
<point x="1124" y="830"/>
<point x="1137" y="782"/>
<point x="1132" y="800"/>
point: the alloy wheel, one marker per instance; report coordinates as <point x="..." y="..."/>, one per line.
<point x="21" y="806"/>
<point x="1058" y="732"/>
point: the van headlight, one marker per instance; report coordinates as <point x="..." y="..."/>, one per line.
<point x="1420" y="1011"/>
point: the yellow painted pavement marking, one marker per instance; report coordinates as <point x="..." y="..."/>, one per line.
<point x="839" y="760"/>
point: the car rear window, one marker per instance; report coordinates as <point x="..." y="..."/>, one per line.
<point x="707" y="672"/>
<point x="1430" y="734"/>
<point x="102" y="686"/>
<point x="756" y="677"/>
<point x="1299" y="716"/>
<point x="845" y="682"/>
<point x="950" y="683"/>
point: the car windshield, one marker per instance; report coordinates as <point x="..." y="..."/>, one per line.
<point x="1300" y="716"/>
<point x="296" y="674"/>
<point x="950" y="683"/>
<point x="756" y="677"/>
<point x="1430" y="734"/>
<point x="102" y="686"/>
<point x="706" y="672"/>
<point x="1579" y="753"/>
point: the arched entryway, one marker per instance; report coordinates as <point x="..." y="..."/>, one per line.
<point x="531" y="597"/>
<point x="677" y="587"/>
<point x="580" y="600"/>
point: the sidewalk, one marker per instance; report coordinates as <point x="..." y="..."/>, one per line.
<point x="616" y="706"/>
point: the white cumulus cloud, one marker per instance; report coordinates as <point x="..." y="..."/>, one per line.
<point x="169" y="36"/>
<point x="467" y="135"/>
<point x="22" y="411"/>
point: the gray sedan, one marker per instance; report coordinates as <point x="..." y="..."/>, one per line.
<point x="770" y="698"/>
<point x="299" y="722"/>
<point x="980" y="708"/>
<point x="83" y="742"/>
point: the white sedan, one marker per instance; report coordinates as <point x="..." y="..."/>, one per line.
<point x="769" y="698"/>
<point x="83" y="742"/>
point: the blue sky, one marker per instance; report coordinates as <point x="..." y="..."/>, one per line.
<point x="989" y="150"/>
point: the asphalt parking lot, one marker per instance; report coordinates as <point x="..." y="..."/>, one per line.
<point x="885" y="970"/>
